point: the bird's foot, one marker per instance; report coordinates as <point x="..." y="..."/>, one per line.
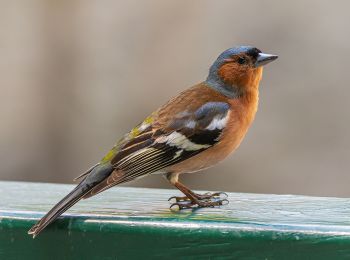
<point x="200" y="204"/>
<point x="209" y="196"/>
<point x="206" y="196"/>
<point x="208" y="200"/>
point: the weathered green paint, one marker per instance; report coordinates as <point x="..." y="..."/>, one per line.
<point x="134" y="223"/>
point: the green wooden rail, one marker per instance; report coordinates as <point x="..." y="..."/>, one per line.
<point x="135" y="223"/>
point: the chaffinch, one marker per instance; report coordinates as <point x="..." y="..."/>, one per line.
<point x="193" y="131"/>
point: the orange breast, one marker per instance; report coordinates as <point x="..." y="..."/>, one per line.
<point x="241" y="116"/>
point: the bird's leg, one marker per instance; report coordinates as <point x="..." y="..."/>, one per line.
<point x="190" y="195"/>
<point x="193" y="199"/>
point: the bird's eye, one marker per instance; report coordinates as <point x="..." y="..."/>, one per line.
<point x="241" y="60"/>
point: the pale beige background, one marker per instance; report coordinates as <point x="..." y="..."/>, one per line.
<point x="76" y="75"/>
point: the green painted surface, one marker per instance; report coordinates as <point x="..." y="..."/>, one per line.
<point x="133" y="223"/>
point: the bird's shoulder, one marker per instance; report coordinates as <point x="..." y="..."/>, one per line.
<point x="189" y="100"/>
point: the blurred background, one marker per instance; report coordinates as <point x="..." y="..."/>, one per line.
<point x="76" y="75"/>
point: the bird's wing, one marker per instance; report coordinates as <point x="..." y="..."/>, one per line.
<point x="158" y="143"/>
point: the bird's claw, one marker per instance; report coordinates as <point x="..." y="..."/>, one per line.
<point x="216" y="195"/>
<point x="181" y="206"/>
<point x="200" y="204"/>
<point x="206" y="196"/>
<point x="212" y="203"/>
<point x="178" y="199"/>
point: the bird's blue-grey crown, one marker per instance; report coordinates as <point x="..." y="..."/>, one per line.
<point x="250" y="50"/>
<point x="214" y="81"/>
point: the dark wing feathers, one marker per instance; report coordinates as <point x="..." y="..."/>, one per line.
<point x="206" y="137"/>
<point x="145" y="161"/>
<point x="161" y="146"/>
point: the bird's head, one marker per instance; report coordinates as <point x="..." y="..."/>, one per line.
<point x="239" y="68"/>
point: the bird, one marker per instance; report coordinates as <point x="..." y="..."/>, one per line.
<point x="193" y="131"/>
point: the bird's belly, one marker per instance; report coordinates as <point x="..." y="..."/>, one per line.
<point x="231" y="141"/>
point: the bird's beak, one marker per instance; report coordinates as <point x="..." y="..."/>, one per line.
<point x="264" y="58"/>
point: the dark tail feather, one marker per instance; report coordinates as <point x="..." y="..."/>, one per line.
<point x="68" y="201"/>
<point x="96" y="175"/>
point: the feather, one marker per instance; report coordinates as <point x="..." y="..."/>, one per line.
<point x="86" y="172"/>
<point x="160" y="146"/>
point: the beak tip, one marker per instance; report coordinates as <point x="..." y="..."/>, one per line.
<point x="264" y="59"/>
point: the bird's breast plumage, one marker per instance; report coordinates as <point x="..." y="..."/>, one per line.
<point x="240" y="116"/>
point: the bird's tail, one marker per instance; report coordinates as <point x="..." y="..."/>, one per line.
<point x="73" y="197"/>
